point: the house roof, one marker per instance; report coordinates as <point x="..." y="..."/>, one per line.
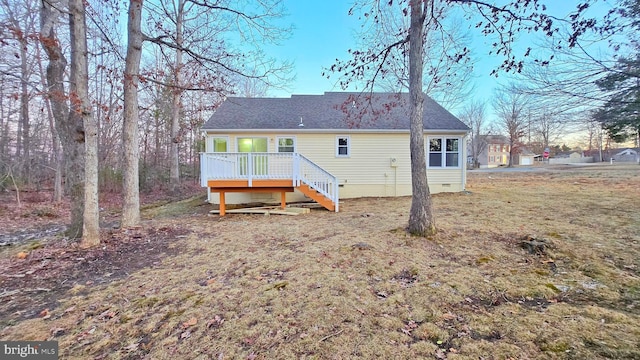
<point x="332" y="110"/>
<point x="627" y="151"/>
<point x="526" y="152"/>
<point x="495" y="139"/>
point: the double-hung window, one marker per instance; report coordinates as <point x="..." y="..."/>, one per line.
<point x="343" y="146"/>
<point x="286" y="144"/>
<point x="443" y="152"/>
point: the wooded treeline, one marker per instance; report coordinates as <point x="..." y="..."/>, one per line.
<point x="64" y="69"/>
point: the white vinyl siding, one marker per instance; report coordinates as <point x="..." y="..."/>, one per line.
<point x="368" y="170"/>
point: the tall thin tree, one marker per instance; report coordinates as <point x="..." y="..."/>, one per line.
<point x="131" y="183"/>
<point x="69" y="125"/>
<point x="81" y="106"/>
<point x="421" y="219"/>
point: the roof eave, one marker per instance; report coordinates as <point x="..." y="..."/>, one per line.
<point x="320" y="131"/>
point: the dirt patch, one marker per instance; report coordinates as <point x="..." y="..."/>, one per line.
<point x="31" y="287"/>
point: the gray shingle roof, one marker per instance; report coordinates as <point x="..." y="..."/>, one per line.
<point x="495" y="139"/>
<point x="333" y="110"/>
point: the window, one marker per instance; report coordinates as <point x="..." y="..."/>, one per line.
<point x="257" y="144"/>
<point x="260" y="161"/>
<point x="452" y="153"/>
<point x="217" y="144"/>
<point x="343" y="146"/>
<point x="444" y="152"/>
<point x="492" y="159"/>
<point x="286" y="144"/>
<point x="435" y="152"/>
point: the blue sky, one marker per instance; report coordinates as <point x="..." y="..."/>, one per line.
<point x="324" y="31"/>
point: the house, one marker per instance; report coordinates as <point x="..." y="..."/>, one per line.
<point x="627" y="155"/>
<point x="495" y="152"/>
<point x="570" y="157"/>
<point x="525" y="157"/>
<point x="326" y="147"/>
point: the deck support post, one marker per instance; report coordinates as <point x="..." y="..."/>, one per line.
<point x="223" y="207"/>
<point x="283" y="200"/>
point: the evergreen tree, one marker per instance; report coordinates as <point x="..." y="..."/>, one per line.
<point x="620" y="115"/>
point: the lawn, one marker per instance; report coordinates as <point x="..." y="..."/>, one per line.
<point x="541" y="265"/>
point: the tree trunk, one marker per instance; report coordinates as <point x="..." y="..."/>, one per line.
<point x="421" y="220"/>
<point x="174" y="146"/>
<point x="82" y="107"/>
<point x="4" y="130"/>
<point x="68" y="126"/>
<point x="75" y="160"/>
<point x="24" y="112"/>
<point x="131" y="182"/>
<point x="55" y="140"/>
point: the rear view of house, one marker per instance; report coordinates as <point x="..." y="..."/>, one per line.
<point x="325" y="148"/>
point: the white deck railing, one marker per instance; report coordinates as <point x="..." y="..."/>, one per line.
<point x="250" y="166"/>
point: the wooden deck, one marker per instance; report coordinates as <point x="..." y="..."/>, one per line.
<point x="268" y="173"/>
<point x="281" y="186"/>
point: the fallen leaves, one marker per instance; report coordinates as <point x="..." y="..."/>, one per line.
<point x="45" y="314"/>
<point x="22" y="255"/>
<point x="278" y="285"/>
<point x="409" y="327"/>
<point x="216" y="322"/>
<point x="57" y="331"/>
<point x="107" y="315"/>
<point x="191" y="322"/>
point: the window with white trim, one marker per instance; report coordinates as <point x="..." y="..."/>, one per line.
<point x="443" y="152"/>
<point x="218" y="144"/>
<point x="343" y="146"/>
<point x="286" y="144"/>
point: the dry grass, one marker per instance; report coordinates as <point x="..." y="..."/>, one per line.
<point x="354" y="285"/>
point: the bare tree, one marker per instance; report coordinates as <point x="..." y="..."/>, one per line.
<point x="503" y="22"/>
<point x="446" y="51"/>
<point x="131" y="185"/>
<point x="175" y="135"/>
<point x="509" y="106"/>
<point x="69" y="124"/>
<point x="248" y="20"/>
<point x="21" y="23"/>
<point x="547" y="126"/>
<point x="191" y="34"/>
<point x="421" y="219"/>
<point x="595" y="135"/>
<point x="473" y="116"/>
<point x="81" y="107"/>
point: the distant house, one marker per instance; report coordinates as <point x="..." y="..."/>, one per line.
<point x="627" y="155"/>
<point x="495" y="152"/>
<point x="567" y="155"/>
<point x="525" y="157"/>
<point x="325" y="148"/>
<point x="570" y="157"/>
